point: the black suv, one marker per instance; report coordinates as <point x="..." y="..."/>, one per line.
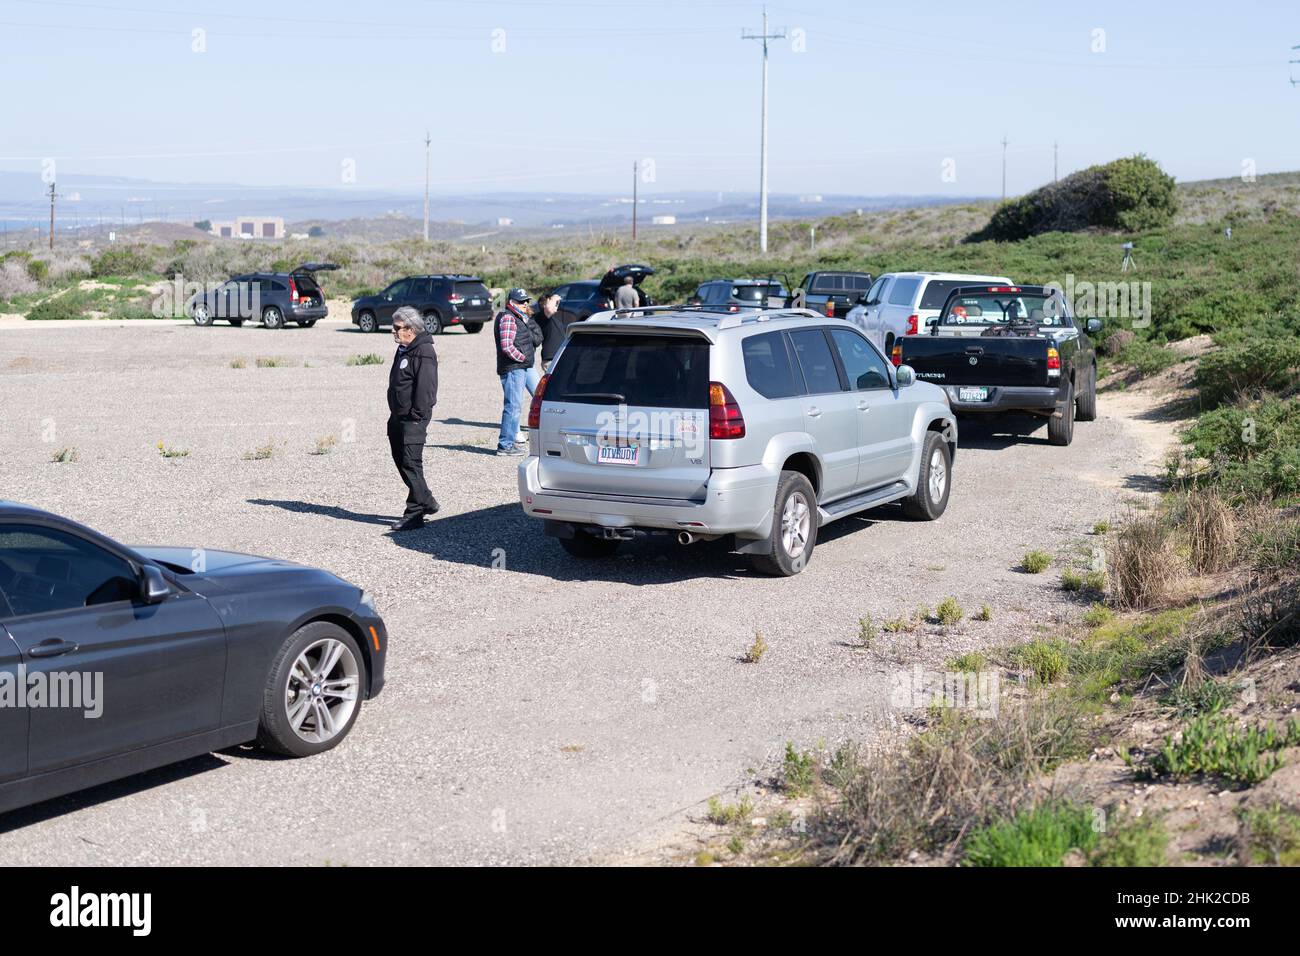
<point x="275" y="298"/>
<point x="582" y="299"/>
<point x="443" y="300"/>
<point x="736" y="294"/>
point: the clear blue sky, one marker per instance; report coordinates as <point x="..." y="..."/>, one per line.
<point x="879" y="97"/>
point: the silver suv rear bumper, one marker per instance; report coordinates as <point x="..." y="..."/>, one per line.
<point x="738" y="501"/>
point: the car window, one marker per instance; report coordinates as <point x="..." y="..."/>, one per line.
<point x="400" y="287"/>
<point x="273" y="285"/>
<point x="421" y="287"/>
<point x="937" y="291"/>
<point x="767" y="365"/>
<point x="877" y="290"/>
<point x="903" y="290"/>
<point x="862" y="364"/>
<point x="828" y="284"/>
<point x="620" y="368"/>
<point x="43" y="570"/>
<point x="819" y="373"/>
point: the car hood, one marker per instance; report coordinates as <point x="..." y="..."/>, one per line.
<point x="230" y="569"/>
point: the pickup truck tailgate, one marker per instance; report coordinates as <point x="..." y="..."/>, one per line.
<point x="967" y="360"/>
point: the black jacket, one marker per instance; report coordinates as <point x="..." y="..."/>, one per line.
<point x="553" y="332"/>
<point x="413" y="384"/>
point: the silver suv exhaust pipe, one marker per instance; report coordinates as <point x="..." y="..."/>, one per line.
<point x="685" y="537"/>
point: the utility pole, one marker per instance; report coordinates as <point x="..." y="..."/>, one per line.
<point x="1004" y="167"/>
<point x="634" y="179"/>
<point x="427" y="141"/>
<point x="1055" y="146"/>
<point x="762" y="176"/>
<point x="1294" y="81"/>
<point x="52" y="195"/>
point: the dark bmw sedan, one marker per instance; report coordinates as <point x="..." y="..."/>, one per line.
<point x="116" y="660"/>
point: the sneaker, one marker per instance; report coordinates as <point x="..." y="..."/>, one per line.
<point x="410" y="522"/>
<point x="514" y="451"/>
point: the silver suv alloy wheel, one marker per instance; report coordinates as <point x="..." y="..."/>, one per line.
<point x="938" y="475"/>
<point x="796" y="521"/>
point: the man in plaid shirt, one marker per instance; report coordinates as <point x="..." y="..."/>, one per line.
<point x="516" y="335"/>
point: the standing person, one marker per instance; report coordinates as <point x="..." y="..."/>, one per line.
<point x="516" y="349"/>
<point x="553" y="327"/>
<point x="412" y="393"/>
<point x="626" y="297"/>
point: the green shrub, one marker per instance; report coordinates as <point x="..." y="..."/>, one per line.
<point x="1253" y="448"/>
<point x="1255" y="365"/>
<point x="1275" y="547"/>
<point x="1147" y="358"/>
<point x="70" y="305"/>
<point x="1039" y="836"/>
<point x="1132" y="194"/>
<point x="1046" y="660"/>
<point x="1036" y="562"/>
<point x="368" y="359"/>
<point x="1129" y="842"/>
<point x="1211" y="745"/>
<point x="972" y="663"/>
<point x="1271" y="835"/>
<point x="798" y="770"/>
<point x="38" y="270"/>
<point x="1097" y="615"/>
<point x="120" y="261"/>
<point x="949" y="611"/>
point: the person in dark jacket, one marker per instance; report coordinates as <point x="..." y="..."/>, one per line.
<point x="412" y="393"/>
<point x="516" y="336"/>
<point x="553" y="328"/>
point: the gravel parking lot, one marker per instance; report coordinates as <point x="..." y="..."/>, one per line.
<point x="538" y="709"/>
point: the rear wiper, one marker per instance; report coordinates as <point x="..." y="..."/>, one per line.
<point x="614" y="397"/>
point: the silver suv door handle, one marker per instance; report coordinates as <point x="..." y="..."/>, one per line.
<point x="864" y="406"/>
<point x="814" y="411"/>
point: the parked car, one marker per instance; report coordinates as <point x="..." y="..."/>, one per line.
<point x="443" y="300"/>
<point x="275" y="298"/>
<point x="902" y="303"/>
<point x="193" y="651"/>
<point x="830" y="293"/>
<point x="582" y="299"/>
<point x="736" y="294"/>
<point x="757" y="426"/>
<point x="1010" y="348"/>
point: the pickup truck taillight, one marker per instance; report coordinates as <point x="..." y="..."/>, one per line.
<point x="725" y="420"/>
<point x="535" y="409"/>
<point x="1053" y="362"/>
<point x="913" y="324"/>
<point x="896" y="355"/>
<point x="830" y="308"/>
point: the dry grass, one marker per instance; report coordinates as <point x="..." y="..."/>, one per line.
<point x="1144" y="562"/>
<point x="1210" y="527"/>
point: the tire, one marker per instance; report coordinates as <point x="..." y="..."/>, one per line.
<point x="288" y="699"/>
<point x="236" y="322"/>
<point x="201" y="314"/>
<point x="584" y="545"/>
<point x="432" y="323"/>
<point x="1086" y="405"/>
<point x="1060" y="428"/>
<point x="272" y="318"/>
<point x="933" y="481"/>
<point x="794" y="528"/>
<point x="367" y="322"/>
<point x="473" y="328"/>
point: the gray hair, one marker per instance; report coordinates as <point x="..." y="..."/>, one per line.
<point x="414" y="320"/>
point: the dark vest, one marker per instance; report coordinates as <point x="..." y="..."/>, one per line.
<point x="523" y="342"/>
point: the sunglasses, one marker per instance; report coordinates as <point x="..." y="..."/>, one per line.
<point x="399" y="328"/>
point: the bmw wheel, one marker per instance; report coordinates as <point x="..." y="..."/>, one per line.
<point x="313" y="694"/>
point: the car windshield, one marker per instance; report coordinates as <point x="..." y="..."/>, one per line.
<point x="756" y="293"/>
<point x="1000" y="308"/>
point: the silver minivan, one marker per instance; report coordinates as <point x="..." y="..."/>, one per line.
<point x="761" y="426"/>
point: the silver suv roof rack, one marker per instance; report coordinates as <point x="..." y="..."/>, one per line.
<point x="712" y="310"/>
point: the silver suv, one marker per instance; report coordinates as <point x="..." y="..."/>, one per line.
<point x="762" y="425"/>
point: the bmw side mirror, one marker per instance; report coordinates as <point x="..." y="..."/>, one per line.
<point x="904" y="376"/>
<point x="154" y="588"/>
<point x="1094" y="326"/>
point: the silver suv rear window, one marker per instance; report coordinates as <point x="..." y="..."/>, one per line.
<point x="650" y="371"/>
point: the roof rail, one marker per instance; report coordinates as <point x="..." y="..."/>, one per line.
<point x="709" y="310"/>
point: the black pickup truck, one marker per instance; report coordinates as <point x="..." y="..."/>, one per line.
<point x="830" y="293"/>
<point x="1009" y="349"/>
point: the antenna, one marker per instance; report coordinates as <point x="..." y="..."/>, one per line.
<point x="762" y="175"/>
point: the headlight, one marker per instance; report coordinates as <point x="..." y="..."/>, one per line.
<point x="368" y="601"/>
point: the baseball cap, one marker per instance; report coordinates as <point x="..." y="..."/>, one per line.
<point x="519" y="295"/>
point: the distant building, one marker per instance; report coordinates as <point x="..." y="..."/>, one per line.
<point x="663" y="220"/>
<point x="505" y="221"/>
<point x="250" y="227"/>
<point x="815" y="197"/>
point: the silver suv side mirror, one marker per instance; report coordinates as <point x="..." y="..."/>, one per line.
<point x="904" y="376"/>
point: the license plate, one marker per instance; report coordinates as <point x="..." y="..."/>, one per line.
<point x="475" y="301"/>
<point x="980" y="394"/>
<point x="618" y="454"/>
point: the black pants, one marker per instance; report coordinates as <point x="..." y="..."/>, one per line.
<point x="407" y="446"/>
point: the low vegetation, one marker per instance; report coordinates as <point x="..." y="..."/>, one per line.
<point x="1036" y="562"/>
